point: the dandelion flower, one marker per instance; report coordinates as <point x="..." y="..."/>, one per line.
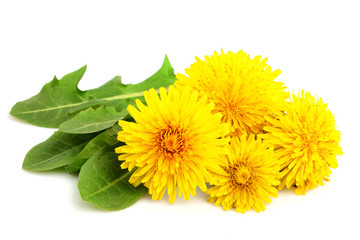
<point x="242" y="89"/>
<point x="306" y="142"/>
<point x="248" y="176"/>
<point x="173" y="143"/>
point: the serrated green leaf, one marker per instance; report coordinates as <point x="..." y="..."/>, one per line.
<point x="57" y="151"/>
<point x="120" y="95"/>
<point x="61" y="100"/>
<point x="55" y="101"/>
<point x="107" y="138"/>
<point x="103" y="183"/>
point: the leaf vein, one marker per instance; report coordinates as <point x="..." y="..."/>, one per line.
<point x="57" y="155"/>
<point x="108" y="185"/>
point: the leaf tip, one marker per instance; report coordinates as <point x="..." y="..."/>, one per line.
<point x="26" y="165"/>
<point x="166" y="60"/>
<point x="16" y="111"/>
<point x="166" y="66"/>
<point x="12" y="110"/>
<point x="82" y="70"/>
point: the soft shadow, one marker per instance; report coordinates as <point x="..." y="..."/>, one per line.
<point x="58" y="171"/>
<point x="179" y="201"/>
<point x="78" y="202"/>
<point x="85" y="206"/>
<point x="287" y="191"/>
<point x="18" y="120"/>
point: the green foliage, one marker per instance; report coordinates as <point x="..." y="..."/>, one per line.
<point x="87" y="136"/>
<point x="93" y="120"/>
<point x="56" y="100"/>
<point x="61" y="100"/>
<point x="107" y="138"/>
<point x="57" y="151"/>
<point x="103" y="183"/>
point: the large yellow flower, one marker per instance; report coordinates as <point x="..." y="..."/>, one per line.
<point x="173" y="143"/>
<point x="242" y="89"/>
<point x="248" y="176"/>
<point x="306" y="142"/>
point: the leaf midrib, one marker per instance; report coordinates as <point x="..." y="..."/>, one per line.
<point x="136" y="94"/>
<point x="108" y="185"/>
<point x="53" y="157"/>
<point x="91" y="124"/>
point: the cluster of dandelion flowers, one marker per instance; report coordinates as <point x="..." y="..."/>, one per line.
<point x="307" y="142"/>
<point x="247" y="177"/>
<point x="242" y="89"/>
<point x="173" y="143"/>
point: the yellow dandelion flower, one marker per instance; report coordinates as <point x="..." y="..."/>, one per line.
<point x="306" y="142"/>
<point x="242" y="89"/>
<point x="248" y="176"/>
<point x="173" y="143"/>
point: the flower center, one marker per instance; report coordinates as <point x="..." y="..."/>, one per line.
<point x="240" y="174"/>
<point x="171" y="141"/>
<point x="229" y="110"/>
<point x="310" y="142"/>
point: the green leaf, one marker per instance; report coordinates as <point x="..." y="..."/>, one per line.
<point x="57" y="151"/>
<point x="93" y="120"/>
<point x="61" y="100"/>
<point x="120" y="95"/>
<point x="103" y="183"/>
<point x="107" y="138"/>
<point x="55" y="101"/>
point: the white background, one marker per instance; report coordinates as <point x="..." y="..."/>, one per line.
<point x="314" y="43"/>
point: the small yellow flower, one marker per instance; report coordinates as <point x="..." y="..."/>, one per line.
<point x="306" y="142"/>
<point x="248" y="176"/>
<point x="173" y="143"/>
<point x="242" y="89"/>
